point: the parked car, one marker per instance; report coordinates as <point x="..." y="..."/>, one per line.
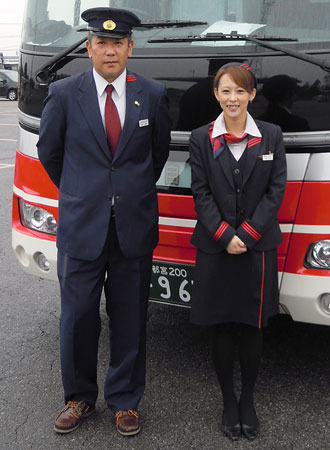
<point x="8" y="84"/>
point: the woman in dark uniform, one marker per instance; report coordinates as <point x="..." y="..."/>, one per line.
<point x="238" y="181"/>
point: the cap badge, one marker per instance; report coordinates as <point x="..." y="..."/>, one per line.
<point x="109" y="25"/>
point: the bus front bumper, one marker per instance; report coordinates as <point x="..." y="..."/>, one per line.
<point x="300" y="297"/>
<point x="36" y="256"/>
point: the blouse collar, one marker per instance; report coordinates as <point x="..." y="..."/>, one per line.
<point x="250" y="127"/>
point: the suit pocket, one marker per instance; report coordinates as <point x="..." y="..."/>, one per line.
<point x="149" y="201"/>
<point x="69" y="201"/>
<point x="262" y="171"/>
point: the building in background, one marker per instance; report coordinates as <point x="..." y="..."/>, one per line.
<point x="10" y="37"/>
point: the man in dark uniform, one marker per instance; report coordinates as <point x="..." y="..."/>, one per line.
<point x="104" y="139"/>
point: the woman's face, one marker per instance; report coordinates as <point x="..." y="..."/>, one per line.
<point x="233" y="99"/>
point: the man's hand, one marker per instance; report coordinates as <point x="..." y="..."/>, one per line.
<point x="236" y="246"/>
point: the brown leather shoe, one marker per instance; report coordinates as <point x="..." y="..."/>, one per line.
<point x="128" y="422"/>
<point x="71" y="416"/>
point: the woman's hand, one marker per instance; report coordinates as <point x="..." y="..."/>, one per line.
<point x="236" y="246"/>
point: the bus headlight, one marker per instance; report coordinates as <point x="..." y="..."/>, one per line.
<point x="318" y="255"/>
<point x="37" y="218"/>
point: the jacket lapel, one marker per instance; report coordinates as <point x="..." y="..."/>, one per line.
<point x="224" y="161"/>
<point x="219" y="151"/>
<point x="134" y="104"/>
<point x="253" y="149"/>
<point x="87" y="99"/>
<point x="223" y="158"/>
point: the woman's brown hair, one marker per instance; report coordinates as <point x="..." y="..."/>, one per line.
<point x="243" y="77"/>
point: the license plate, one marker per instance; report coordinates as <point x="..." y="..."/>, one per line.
<point x="171" y="283"/>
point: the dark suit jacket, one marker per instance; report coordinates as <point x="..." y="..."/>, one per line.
<point x="216" y="197"/>
<point x="74" y="150"/>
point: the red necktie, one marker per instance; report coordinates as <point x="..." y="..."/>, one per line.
<point x="232" y="139"/>
<point x="112" y="121"/>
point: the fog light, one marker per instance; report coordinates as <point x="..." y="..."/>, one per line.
<point x="325" y="303"/>
<point x="42" y="261"/>
<point x="22" y="256"/>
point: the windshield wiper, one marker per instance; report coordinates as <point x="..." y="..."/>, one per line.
<point x="169" y="23"/>
<point x="232" y="36"/>
<point x="263" y="41"/>
<point x="44" y="74"/>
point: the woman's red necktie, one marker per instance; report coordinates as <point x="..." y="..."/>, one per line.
<point x="218" y="142"/>
<point x="112" y="121"/>
<point x="232" y="139"/>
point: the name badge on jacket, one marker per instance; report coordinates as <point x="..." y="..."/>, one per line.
<point x="268" y="157"/>
<point x="143" y="123"/>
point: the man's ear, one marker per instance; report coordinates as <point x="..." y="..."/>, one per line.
<point x="130" y="50"/>
<point x="89" y="49"/>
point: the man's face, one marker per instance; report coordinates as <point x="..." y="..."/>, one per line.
<point x="109" y="55"/>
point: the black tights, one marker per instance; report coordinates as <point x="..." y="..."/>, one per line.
<point x="248" y="339"/>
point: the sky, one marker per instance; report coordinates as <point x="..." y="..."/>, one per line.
<point x="12" y="11"/>
<point x="11" y="16"/>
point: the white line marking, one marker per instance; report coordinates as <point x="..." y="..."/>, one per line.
<point x="5" y="166"/>
<point x="190" y="223"/>
<point x="171" y="221"/>
<point x="311" y="229"/>
<point x="35" y="198"/>
<point x="285" y="228"/>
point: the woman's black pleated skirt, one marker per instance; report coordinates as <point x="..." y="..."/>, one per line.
<point x="235" y="288"/>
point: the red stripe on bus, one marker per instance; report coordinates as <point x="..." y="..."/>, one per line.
<point x="177" y="206"/>
<point x="313" y="208"/>
<point x="288" y="210"/>
<point x="31" y="177"/>
<point x="298" y="247"/>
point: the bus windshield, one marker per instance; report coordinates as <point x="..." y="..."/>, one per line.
<point x="55" y="23"/>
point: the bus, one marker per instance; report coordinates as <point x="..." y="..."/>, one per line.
<point x="182" y="43"/>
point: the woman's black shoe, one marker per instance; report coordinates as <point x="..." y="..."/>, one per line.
<point x="231" y="431"/>
<point x="249" y="421"/>
<point x="250" y="432"/>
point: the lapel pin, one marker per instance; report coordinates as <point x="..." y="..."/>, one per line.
<point x="137" y="103"/>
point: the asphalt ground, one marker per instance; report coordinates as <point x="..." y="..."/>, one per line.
<point x="182" y="405"/>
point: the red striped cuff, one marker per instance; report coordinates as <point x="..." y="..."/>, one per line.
<point x="223" y="227"/>
<point x="252" y="232"/>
